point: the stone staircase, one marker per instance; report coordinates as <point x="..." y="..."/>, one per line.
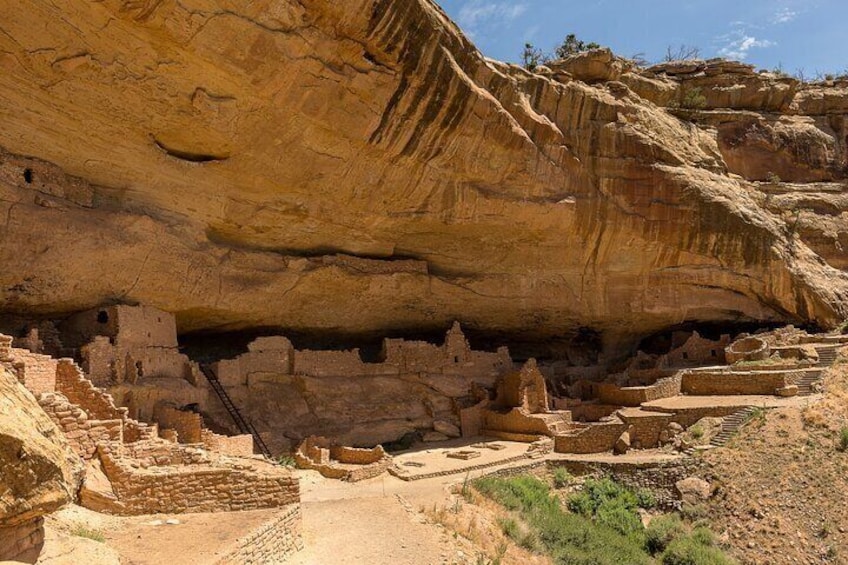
<point x="807" y="382"/>
<point x="827" y="355"/>
<point x="731" y="424"/>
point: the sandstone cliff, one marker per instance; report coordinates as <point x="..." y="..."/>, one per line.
<point x="360" y="167"/>
<point x="39" y="473"/>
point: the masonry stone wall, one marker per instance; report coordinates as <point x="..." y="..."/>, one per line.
<point x="645" y="427"/>
<point x="181" y="485"/>
<point x="515" y="421"/>
<point x="82" y="433"/>
<point x="590" y="438"/>
<point x="188" y="425"/>
<point x="341" y="462"/>
<point x="234" y="446"/>
<point x="38" y="372"/>
<point x="708" y="383"/>
<point x="99" y="361"/>
<point x="271" y="543"/>
<point x="698" y="351"/>
<point x="71" y="382"/>
<point x="634" y="396"/>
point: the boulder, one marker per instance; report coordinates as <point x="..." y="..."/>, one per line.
<point x="446" y="428"/>
<point x="622" y="444"/>
<point x="40" y="471"/>
<point x="693" y="490"/>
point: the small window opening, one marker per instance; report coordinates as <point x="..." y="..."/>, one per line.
<point x="102" y="317"/>
<point x="713" y="353"/>
<point x="685" y="355"/>
<point x="456" y="359"/>
<point x="28" y="176"/>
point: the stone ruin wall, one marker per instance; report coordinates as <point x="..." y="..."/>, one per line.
<point x="181" y="480"/>
<point x="81" y="432"/>
<point x="634" y="396"/>
<point x="234" y="446"/>
<point x="646" y="428"/>
<point x="708" y="383"/>
<point x="272" y="542"/>
<point x="590" y="438"/>
<point x="187" y="425"/>
<point x="36" y="372"/>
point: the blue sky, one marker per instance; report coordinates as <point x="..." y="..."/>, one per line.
<point x="796" y="34"/>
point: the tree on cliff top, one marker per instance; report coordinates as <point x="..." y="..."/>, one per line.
<point x="532" y="57"/>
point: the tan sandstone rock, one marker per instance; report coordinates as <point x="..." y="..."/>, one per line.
<point x="359" y="167"/>
<point x="39" y="473"/>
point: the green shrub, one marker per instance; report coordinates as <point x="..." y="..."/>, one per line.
<point x="842" y="444"/>
<point x="598" y="491"/>
<point x="690" y="550"/>
<point x="661" y="532"/>
<point x="510" y="528"/>
<point x="83" y="532"/>
<point x="697" y="432"/>
<point x="286" y="461"/>
<point x="562" y="478"/>
<point x="620" y="519"/>
<point x="693" y="99"/>
<point x="646" y="499"/>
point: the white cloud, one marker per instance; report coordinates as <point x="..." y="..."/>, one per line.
<point x="738" y="48"/>
<point x="486" y="13"/>
<point x="783" y="16"/>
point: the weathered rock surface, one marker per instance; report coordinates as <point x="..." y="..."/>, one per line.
<point x="359" y="167"/>
<point x="39" y="474"/>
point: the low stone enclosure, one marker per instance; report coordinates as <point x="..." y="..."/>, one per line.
<point x="340" y="462"/>
<point x="130" y="467"/>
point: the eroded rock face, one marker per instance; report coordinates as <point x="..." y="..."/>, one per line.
<point x="39" y="474"/>
<point x="359" y="167"/>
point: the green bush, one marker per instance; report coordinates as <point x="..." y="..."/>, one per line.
<point x="83" y="532"/>
<point x="562" y="478"/>
<point x="690" y="550"/>
<point x="693" y="99"/>
<point x="604" y="530"/>
<point x="843" y="439"/>
<point x="645" y="499"/>
<point x="661" y="532"/>
<point x="598" y="491"/>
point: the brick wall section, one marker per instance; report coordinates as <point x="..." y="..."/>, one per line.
<point x="39" y="371"/>
<point x="635" y="396"/>
<point x="188" y="425"/>
<point x="224" y="486"/>
<point x="647" y="427"/>
<point x="99" y="361"/>
<point x="234" y="446"/>
<point x="71" y="382"/>
<point x="708" y="383"/>
<point x="516" y="421"/>
<point x="81" y="432"/>
<point x="270" y="543"/>
<point x="590" y="438"/>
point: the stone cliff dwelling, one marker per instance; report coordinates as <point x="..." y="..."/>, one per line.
<point x="268" y="268"/>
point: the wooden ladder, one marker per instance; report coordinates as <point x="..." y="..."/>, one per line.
<point x="244" y="426"/>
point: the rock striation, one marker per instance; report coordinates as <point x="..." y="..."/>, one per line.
<point x="360" y="167"/>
